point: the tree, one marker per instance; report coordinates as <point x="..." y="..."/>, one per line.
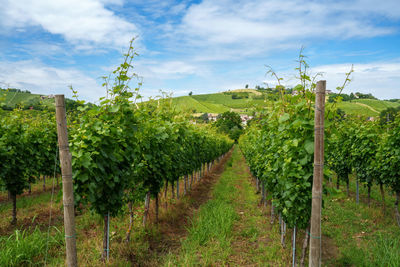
<point x="247" y="86"/>
<point x="230" y="123"/>
<point x="204" y="117"/>
<point x="191" y="93"/>
<point x="388" y="115"/>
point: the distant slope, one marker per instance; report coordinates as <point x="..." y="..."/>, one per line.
<point x="227" y="100"/>
<point x="215" y="103"/>
<point x="366" y="107"/>
<point x="378" y="105"/>
<point x="14" y="99"/>
<point x="248" y="90"/>
<point x="354" y="108"/>
<point x="221" y="102"/>
<point x="189" y="103"/>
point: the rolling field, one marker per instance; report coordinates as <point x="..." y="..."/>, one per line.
<point x="13" y="99"/>
<point x="220" y="102"/>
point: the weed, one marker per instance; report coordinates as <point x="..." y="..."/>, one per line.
<point x="24" y="248"/>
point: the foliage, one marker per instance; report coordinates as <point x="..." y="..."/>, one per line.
<point x="364" y="145"/>
<point x="388" y="156"/>
<point x="339" y="150"/>
<point x="103" y="145"/>
<point x="279" y="150"/>
<point x="279" y="146"/>
<point x="389" y="115"/>
<point x="15" y="90"/>
<point x="340" y="97"/>
<point x="27" y="149"/>
<point x="203" y="117"/>
<point x="121" y="150"/>
<point x="229" y="123"/>
<point x="333" y="97"/>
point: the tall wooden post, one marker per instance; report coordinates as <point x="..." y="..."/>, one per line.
<point x="66" y="172"/>
<point x="315" y="232"/>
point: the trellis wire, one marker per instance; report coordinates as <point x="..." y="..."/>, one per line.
<point x="51" y="207"/>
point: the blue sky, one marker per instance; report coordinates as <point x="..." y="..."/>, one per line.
<point x="200" y="46"/>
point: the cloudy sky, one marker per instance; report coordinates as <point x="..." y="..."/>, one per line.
<point x="200" y="46"/>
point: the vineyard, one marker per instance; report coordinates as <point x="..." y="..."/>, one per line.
<point x="152" y="188"/>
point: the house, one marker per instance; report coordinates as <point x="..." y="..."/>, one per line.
<point x="212" y="116"/>
<point x="245" y="118"/>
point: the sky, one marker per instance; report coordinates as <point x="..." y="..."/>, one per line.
<point x="198" y="46"/>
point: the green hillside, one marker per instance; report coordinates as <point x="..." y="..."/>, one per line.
<point x="366" y="107"/>
<point x="213" y="103"/>
<point x="189" y="103"/>
<point x="378" y="105"/>
<point x="220" y="102"/>
<point x="11" y="99"/>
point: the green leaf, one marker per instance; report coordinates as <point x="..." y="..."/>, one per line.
<point x="114" y="108"/>
<point x="309" y="147"/>
<point x="284" y="118"/>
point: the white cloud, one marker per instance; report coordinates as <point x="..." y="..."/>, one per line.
<point x="42" y="79"/>
<point x="379" y="78"/>
<point x="82" y="22"/>
<point x="231" y="28"/>
<point x="169" y="69"/>
<point x="173" y="68"/>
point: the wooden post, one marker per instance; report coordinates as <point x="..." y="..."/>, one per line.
<point x="315" y="233"/>
<point x="66" y="172"/>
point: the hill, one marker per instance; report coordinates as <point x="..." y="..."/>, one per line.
<point x="250" y="99"/>
<point x="14" y="98"/>
<point x="240" y="100"/>
<point x="366" y="107"/>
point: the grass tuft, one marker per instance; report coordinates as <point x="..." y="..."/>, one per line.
<point x="24" y="248"/>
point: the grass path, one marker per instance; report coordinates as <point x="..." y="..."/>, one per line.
<point x="367" y="106"/>
<point x="231" y="229"/>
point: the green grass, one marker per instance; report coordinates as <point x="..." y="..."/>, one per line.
<point x="366" y="107"/>
<point x="231" y="229"/>
<point x="25" y="248"/>
<point x="214" y="108"/>
<point x="209" y="236"/>
<point x="188" y="103"/>
<point x="12" y="99"/>
<point x="355" y="109"/>
<point x="28" y="201"/>
<point x="227" y="101"/>
<point x="220" y="102"/>
<point x="364" y="236"/>
<point x="378" y="105"/>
